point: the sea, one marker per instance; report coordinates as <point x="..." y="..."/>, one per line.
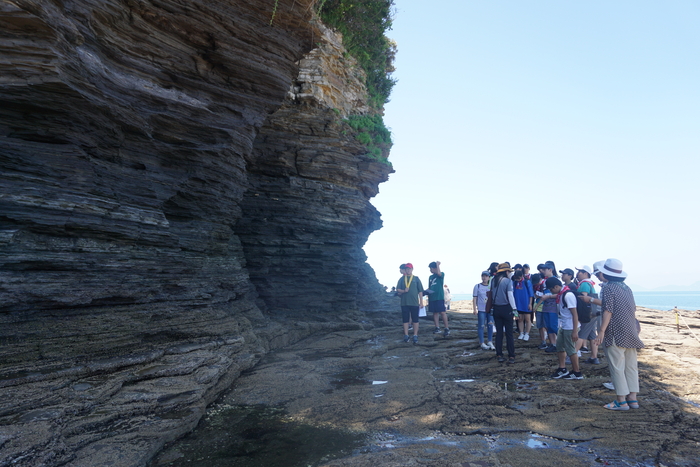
<point x="654" y="300"/>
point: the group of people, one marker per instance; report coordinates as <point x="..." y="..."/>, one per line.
<point x="411" y="291"/>
<point x="569" y="314"/>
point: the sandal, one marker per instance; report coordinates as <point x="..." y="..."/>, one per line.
<point x="615" y="405"/>
<point x="633" y="404"/>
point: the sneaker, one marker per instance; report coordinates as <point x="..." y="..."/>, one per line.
<point x="521" y="336"/>
<point x="511" y="360"/>
<point x="501" y="359"/>
<point x="593" y="361"/>
<point x="610" y="386"/>
<point x="436" y="331"/>
<point x="542" y="346"/>
<point x="578" y="354"/>
<point x="574" y="375"/>
<point x="484" y="346"/>
<point x="526" y="337"/>
<point x="410" y="327"/>
<point x="446" y="332"/>
<point x="584" y="350"/>
<point x="551" y="348"/>
<point x="405" y="338"/>
<point x="560" y="373"/>
<point x="415" y="339"/>
<point x="568" y="360"/>
<point x="491" y="346"/>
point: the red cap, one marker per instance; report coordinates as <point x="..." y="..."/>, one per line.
<point x="409" y="265"/>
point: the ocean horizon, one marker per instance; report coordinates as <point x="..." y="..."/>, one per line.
<point x="655" y="300"/>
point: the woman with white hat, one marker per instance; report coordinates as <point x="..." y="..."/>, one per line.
<point x="620" y="334"/>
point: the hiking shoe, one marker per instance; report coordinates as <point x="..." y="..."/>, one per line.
<point x="542" y="346"/>
<point x="526" y="337"/>
<point x="574" y="375"/>
<point x="593" y="361"/>
<point x="501" y="359"/>
<point x="405" y="338"/>
<point x="551" y="348"/>
<point x="446" y="332"/>
<point x="415" y="339"/>
<point x="584" y="350"/>
<point x="491" y="346"/>
<point x="560" y="373"/>
<point x="485" y="347"/>
<point x="436" y="331"/>
<point x="610" y="386"/>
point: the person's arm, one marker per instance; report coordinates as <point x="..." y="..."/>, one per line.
<point x="574" y="316"/>
<point x="603" y="326"/>
<point x="588" y="299"/>
<point x="511" y="300"/>
<point x="439" y="273"/>
<point x="474" y="305"/>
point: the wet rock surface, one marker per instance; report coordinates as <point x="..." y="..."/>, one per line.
<point x="446" y="402"/>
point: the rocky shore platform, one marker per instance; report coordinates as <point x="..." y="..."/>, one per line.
<point x="359" y="396"/>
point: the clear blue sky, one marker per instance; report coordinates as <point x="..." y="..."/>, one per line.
<point x="527" y="131"/>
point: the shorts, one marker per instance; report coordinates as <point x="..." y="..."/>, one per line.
<point x="539" y="320"/>
<point x="564" y="342"/>
<point x="524" y="312"/>
<point x="436" y="306"/>
<point x="551" y="322"/>
<point x="588" y="331"/>
<point x="409" y="313"/>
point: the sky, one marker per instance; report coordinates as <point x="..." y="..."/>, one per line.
<point x="527" y="131"/>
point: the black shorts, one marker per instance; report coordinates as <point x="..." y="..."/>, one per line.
<point x="436" y="306"/>
<point x="409" y="313"/>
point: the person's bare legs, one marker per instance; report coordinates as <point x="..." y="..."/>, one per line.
<point x="527" y="323"/>
<point x="574" y="362"/>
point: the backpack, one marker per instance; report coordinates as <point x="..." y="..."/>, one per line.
<point x="583" y="309"/>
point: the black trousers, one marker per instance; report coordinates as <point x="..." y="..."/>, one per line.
<point x="503" y="319"/>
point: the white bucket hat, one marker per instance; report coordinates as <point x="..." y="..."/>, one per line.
<point x="613" y="268"/>
<point x="597" y="266"/>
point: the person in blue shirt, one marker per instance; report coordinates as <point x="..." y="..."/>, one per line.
<point x="523" y="294"/>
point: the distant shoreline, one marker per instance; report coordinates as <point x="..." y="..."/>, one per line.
<point x="661" y="301"/>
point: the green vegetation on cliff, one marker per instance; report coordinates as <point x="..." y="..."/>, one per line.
<point x="363" y="24"/>
<point x="372" y="133"/>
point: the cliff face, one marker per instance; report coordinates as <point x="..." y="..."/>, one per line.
<point x="168" y="169"/>
<point x="306" y="215"/>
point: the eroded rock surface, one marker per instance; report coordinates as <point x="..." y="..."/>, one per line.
<point x="369" y="399"/>
<point x="160" y="160"/>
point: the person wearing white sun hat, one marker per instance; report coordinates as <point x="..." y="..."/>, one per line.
<point x="620" y="334"/>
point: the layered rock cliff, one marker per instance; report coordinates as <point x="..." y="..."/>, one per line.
<point x="175" y="176"/>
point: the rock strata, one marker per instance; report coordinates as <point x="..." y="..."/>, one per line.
<point x="167" y="172"/>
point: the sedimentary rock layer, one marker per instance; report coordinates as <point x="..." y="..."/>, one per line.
<point x="164" y="164"/>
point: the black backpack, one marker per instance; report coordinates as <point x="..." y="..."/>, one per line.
<point x="583" y="309"/>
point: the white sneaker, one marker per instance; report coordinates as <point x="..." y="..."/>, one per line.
<point x="526" y="337"/>
<point x="485" y="347"/>
<point x="610" y="386"/>
<point x="491" y="346"/>
<point x="521" y="336"/>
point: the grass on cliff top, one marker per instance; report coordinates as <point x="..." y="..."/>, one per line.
<point x="363" y="24"/>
